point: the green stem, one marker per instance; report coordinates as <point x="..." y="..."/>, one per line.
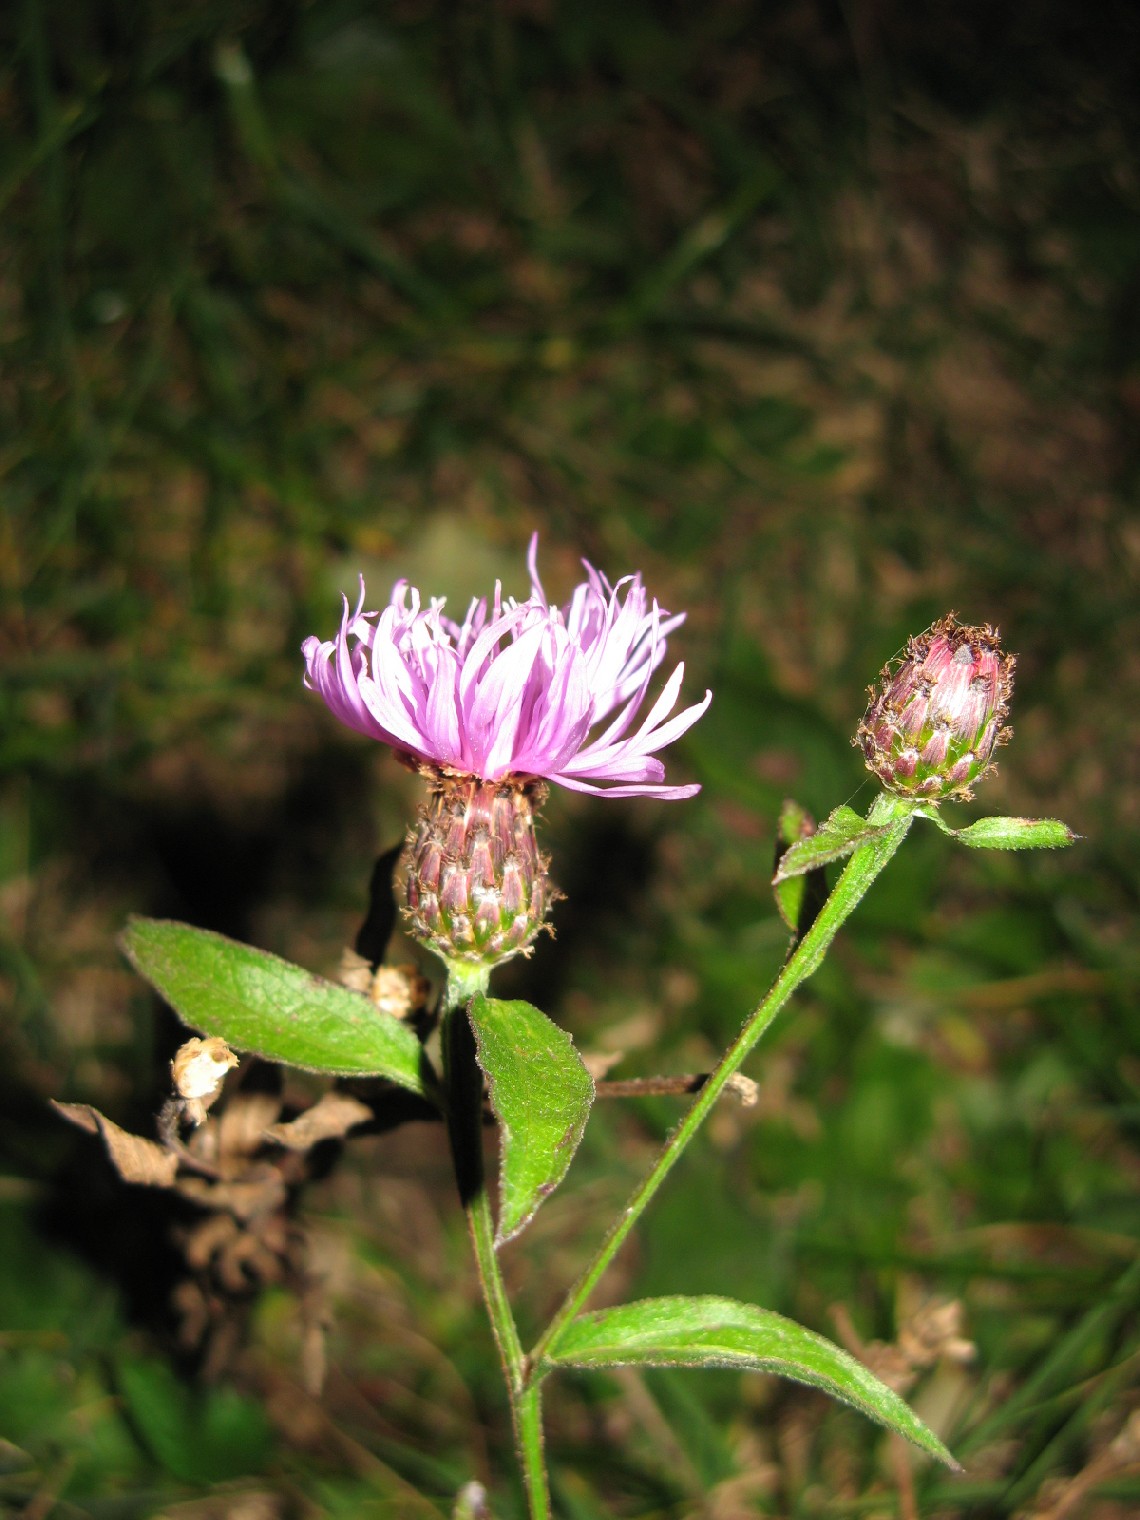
<point x="527" y="1408"/>
<point x="895" y="816"/>
<point x="465" y="1126"/>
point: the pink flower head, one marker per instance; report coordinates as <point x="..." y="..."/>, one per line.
<point x="518" y="690"/>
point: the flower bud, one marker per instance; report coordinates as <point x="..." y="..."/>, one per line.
<point x="936" y="714"/>
<point x="474" y="883"/>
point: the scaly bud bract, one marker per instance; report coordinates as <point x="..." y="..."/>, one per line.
<point x="475" y="886"/>
<point x="937" y="714"/>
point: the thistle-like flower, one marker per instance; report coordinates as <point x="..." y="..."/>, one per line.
<point x="488" y="710"/>
<point x="936" y="715"/>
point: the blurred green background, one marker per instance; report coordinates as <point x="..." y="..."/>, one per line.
<point x="827" y="318"/>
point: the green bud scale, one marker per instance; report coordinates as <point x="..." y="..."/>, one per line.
<point x="937" y="714"/>
<point x="475" y="885"/>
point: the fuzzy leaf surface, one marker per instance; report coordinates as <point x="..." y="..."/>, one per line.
<point x="799" y="897"/>
<point x="841" y="833"/>
<point x="704" y="1331"/>
<point x="541" y="1094"/>
<point x="257" y="1002"/>
<point x="1006" y="833"/>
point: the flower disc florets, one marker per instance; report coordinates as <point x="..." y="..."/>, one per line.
<point x="518" y="690"/>
<point x="936" y="715"/>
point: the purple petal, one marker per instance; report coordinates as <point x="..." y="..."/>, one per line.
<point x="517" y="688"/>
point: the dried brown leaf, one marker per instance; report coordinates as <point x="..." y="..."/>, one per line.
<point x="246" y="1199"/>
<point x="599" y="1063"/>
<point x="355" y="971"/>
<point x="399" y="990"/>
<point x="198" y="1070"/>
<point x="134" y="1158"/>
<point x="330" y="1118"/>
<point x="746" y="1090"/>
<point x="202" y="1243"/>
<point x="235" y="1136"/>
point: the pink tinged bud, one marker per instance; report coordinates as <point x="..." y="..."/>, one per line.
<point x="454" y="898"/>
<point x="494" y="894"/>
<point x="482" y="864"/>
<point x="431" y="867"/>
<point x="937" y="747"/>
<point x="514" y="888"/>
<point x="455" y="835"/>
<point x="963" y="771"/>
<point x="937" y="714"/>
<point x="487" y="920"/>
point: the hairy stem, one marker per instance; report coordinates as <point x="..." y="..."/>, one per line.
<point x="527" y="1408"/>
<point x="464" y="1083"/>
<point x="864" y="866"/>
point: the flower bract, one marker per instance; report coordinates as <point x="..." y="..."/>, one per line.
<point x="937" y="714"/>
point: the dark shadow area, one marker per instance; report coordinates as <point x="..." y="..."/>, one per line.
<point x="603" y="867"/>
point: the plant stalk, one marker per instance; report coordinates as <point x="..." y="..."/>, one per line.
<point x="895" y="815"/>
<point x="464" y="1083"/>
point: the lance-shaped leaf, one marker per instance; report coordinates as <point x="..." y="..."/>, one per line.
<point x="720" y="1332"/>
<point x="1005" y="833"/>
<point x="257" y="1002"/>
<point x="842" y="832"/>
<point x="541" y="1094"/>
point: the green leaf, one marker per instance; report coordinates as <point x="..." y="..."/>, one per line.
<point x="541" y="1094"/>
<point x="800" y="897"/>
<point x="720" y="1332"/>
<point x="1006" y="833"/>
<point x="256" y="1001"/>
<point x="842" y="832"/>
<point x="789" y="896"/>
<point x="795" y="823"/>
